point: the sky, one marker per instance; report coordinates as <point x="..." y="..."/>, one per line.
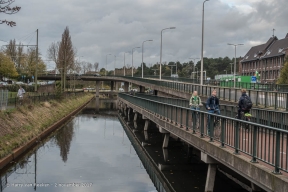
<point x="104" y="27"/>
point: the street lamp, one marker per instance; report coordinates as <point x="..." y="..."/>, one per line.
<point x="194" y="65"/>
<point x="114" y="64"/>
<point x="226" y="72"/>
<point x="124" y="63"/>
<point x="197" y="72"/>
<point x="235" y="45"/>
<point x="231" y="67"/>
<point x="202" y="45"/>
<point x="142" y="54"/>
<point x="106" y="64"/>
<point x="161" y="50"/>
<point x="132" y="57"/>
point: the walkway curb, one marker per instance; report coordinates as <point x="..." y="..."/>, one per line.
<point x="20" y="150"/>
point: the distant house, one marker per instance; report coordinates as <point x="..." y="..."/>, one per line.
<point x="267" y="59"/>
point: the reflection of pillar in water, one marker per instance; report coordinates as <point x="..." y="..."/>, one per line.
<point x="97" y="104"/>
<point x="135" y="124"/>
<point x="129" y="111"/>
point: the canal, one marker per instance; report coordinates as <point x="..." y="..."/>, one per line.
<point x="103" y="152"/>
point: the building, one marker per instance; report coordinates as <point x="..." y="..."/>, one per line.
<point x="268" y="59"/>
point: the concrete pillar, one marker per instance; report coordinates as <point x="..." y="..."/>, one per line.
<point x="146" y="135"/>
<point x="147" y="122"/>
<point x="129" y="111"/>
<point x="112" y="85"/>
<point x="210" y="180"/>
<point x="141" y="89"/>
<point x="117" y="86"/>
<point x="135" y="125"/>
<point x="97" y="88"/>
<point x="135" y="116"/>
<point x="211" y="174"/>
<point x="255" y="188"/>
<point x="126" y="86"/>
<point x="166" y="140"/>
<point x="165" y="155"/>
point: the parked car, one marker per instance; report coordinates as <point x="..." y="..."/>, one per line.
<point x="97" y="75"/>
<point x="19" y="83"/>
<point x="3" y="83"/>
<point x="121" y="89"/>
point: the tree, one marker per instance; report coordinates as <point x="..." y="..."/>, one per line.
<point x="30" y="63"/>
<point x="96" y="66"/>
<point x="65" y="56"/>
<point x="7" y="68"/>
<point x="5" y="7"/>
<point x="283" y="79"/>
<point x="16" y="53"/>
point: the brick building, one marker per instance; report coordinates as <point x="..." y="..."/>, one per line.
<point x="268" y="59"/>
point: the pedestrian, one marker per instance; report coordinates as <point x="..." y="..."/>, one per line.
<point x="244" y="104"/>
<point x="195" y="101"/>
<point x="21" y="92"/>
<point x="212" y="105"/>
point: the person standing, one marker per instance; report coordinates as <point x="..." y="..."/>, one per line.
<point x="212" y="105"/>
<point x="244" y="104"/>
<point x="195" y="101"/>
<point x="21" y="92"/>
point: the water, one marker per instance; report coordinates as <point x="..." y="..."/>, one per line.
<point x="94" y="153"/>
<point x="91" y="153"/>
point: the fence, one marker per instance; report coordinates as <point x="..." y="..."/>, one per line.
<point x="278" y="119"/>
<point x="3" y="98"/>
<point x="260" y="142"/>
<point x="34" y="98"/>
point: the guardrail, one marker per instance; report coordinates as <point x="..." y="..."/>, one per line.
<point x="265" y="99"/>
<point x="278" y="119"/>
<point x="260" y="142"/>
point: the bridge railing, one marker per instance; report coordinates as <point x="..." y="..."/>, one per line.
<point x="260" y="142"/>
<point x="265" y="99"/>
<point x="278" y="119"/>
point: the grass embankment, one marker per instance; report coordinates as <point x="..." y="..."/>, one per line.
<point x="19" y="125"/>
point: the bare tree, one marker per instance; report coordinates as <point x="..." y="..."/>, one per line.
<point x="5" y="7"/>
<point x="89" y="66"/>
<point x="66" y="55"/>
<point x="53" y="51"/>
<point x="96" y="66"/>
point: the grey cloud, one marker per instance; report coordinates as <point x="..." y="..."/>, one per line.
<point x="101" y="27"/>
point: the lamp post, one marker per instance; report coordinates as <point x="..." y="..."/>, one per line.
<point x="106" y="64"/>
<point x="124" y="64"/>
<point x="114" y="64"/>
<point x="132" y="58"/>
<point x="161" y="50"/>
<point x="231" y="67"/>
<point x="197" y="72"/>
<point x="202" y="45"/>
<point x="194" y="65"/>
<point x="235" y="45"/>
<point x="142" y="54"/>
<point x="226" y="72"/>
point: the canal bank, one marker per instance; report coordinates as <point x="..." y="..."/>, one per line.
<point x="28" y="125"/>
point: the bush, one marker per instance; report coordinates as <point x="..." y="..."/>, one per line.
<point x="14" y="88"/>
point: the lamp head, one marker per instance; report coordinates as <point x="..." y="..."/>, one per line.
<point x="172" y="28"/>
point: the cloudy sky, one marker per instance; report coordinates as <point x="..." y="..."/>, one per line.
<point x="101" y="27"/>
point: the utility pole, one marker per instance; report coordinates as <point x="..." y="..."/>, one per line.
<point x="36" y="68"/>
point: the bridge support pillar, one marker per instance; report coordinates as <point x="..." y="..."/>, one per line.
<point x="166" y="140"/>
<point x="112" y="85"/>
<point x="141" y="89"/>
<point x="255" y="188"/>
<point x="147" y="122"/>
<point x="135" y="116"/>
<point x="97" y="88"/>
<point x="126" y="86"/>
<point x="211" y="174"/>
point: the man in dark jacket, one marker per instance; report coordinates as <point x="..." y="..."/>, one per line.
<point x="212" y="104"/>
<point x="243" y="104"/>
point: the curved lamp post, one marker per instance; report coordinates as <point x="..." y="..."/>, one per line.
<point x="142" y="54"/>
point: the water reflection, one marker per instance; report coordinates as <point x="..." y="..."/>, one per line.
<point x="94" y="150"/>
<point x="63" y="140"/>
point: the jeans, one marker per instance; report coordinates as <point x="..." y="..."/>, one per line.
<point x="195" y="108"/>
<point x="239" y="112"/>
<point x="217" y="111"/>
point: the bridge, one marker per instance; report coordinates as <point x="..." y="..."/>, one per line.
<point x="275" y="100"/>
<point x="258" y="153"/>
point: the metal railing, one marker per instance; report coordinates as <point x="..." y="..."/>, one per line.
<point x="278" y="119"/>
<point x="36" y="98"/>
<point x="264" y="99"/>
<point x="260" y="142"/>
<point x="3" y="98"/>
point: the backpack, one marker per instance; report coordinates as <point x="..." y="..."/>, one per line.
<point x="246" y="103"/>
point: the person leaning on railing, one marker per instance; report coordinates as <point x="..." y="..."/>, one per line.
<point x="195" y="101"/>
<point x="21" y="93"/>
